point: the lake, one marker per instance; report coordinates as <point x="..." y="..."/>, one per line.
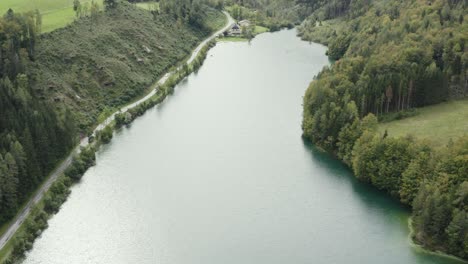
<point x="219" y="173"/>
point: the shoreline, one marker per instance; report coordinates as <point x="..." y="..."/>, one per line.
<point x="421" y="248"/>
<point x="414" y="246"/>
<point x="151" y="92"/>
<point x="22" y="216"/>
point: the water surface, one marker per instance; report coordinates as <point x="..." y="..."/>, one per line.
<point x="219" y="173"/>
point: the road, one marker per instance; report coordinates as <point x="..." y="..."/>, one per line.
<point x="167" y="75"/>
<point x="84" y="142"/>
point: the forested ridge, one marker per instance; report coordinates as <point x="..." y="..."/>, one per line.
<point x="56" y="86"/>
<point x="391" y="56"/>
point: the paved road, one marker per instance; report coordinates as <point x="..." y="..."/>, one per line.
<point x="84" y="142"/>
<point x="167" y="75"/>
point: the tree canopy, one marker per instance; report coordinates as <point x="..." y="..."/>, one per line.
<point x="393" y="56"/>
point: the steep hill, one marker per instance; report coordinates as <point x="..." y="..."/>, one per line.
<point x="103" y="62"/>
<point x="392" y="56"/>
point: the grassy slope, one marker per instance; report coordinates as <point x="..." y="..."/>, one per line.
<point x="440" y="123"/>
<point x="55" y="13"/>
<point x="114" y="59"/>
<point x="260" y="30"/>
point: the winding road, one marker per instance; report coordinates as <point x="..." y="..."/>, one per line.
<point x="5" y="237"/>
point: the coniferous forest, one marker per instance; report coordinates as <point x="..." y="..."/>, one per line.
<point x="33" y="137"/>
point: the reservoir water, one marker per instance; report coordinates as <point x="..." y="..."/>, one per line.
<point x="219" y="174"/>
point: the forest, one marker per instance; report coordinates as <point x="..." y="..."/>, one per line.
<point x="33" y="137"/>
<point x="391" y="56"/>
<point x="55" y="87"/>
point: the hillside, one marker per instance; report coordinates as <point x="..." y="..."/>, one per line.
<point x="113" y="60"/>
<point x="390" y="57"/>
<point x="55" y="86"/>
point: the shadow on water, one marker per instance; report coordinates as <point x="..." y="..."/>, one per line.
<point x="372" y="197"/>
<point x="377" y="202"/>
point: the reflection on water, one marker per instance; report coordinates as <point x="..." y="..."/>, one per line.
<point x="218" y="173"/>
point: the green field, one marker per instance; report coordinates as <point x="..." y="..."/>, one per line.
<point x="148" y="5"/>
<point x="232" y="39"/>
<point x="55" y="13"/>
<point x="439" y="123"/>
<point x="260" y="30"/>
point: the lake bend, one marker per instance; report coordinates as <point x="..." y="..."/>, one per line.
<point x="219" y="173"/>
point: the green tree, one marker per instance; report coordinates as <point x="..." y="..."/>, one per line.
<point x="94" y="9"/>
<point x="110" y="4"/>
<point x="24" y="180"/>
<point x="351" y="132"/>
<point x="338" y="47"/>
<point x="38" y="17"/>
<point x="10" y="184"/>
<point x="457" y="233"/>
<point x="77" y="7"/>
<point x="419" y="169"/>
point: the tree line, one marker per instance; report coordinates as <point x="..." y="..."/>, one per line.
<point x="33" y="138"/>
<point x="393" y="57"/>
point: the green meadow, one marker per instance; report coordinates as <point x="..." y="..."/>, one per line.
<point x="55" y="13"/>
<point x="439" y="123"/>
<point x="260" y="30"/>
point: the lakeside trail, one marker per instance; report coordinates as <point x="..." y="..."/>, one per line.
<point x="20" y="217"/>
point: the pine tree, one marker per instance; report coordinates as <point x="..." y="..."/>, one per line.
<point x="110" y="4"/>
<point x="25" y="184"/>
<point x="10" y="185"/>
<point x="32" y="166"/>
<point x="457" y="233"/>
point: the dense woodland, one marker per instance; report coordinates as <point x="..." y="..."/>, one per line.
<point x="56" y="86"/>
<point x="32" y="136"/>
<point x="391" y="56"/>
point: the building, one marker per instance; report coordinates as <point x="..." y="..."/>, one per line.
<point x="235" y="30"/>
<point x="244" y="23"/>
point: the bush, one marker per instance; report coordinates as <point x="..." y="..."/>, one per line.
<point x="57" y="195"/>
<point x="105" y="135"/>
<point x="81" y="163"/>
<point x="338" y="47"/>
